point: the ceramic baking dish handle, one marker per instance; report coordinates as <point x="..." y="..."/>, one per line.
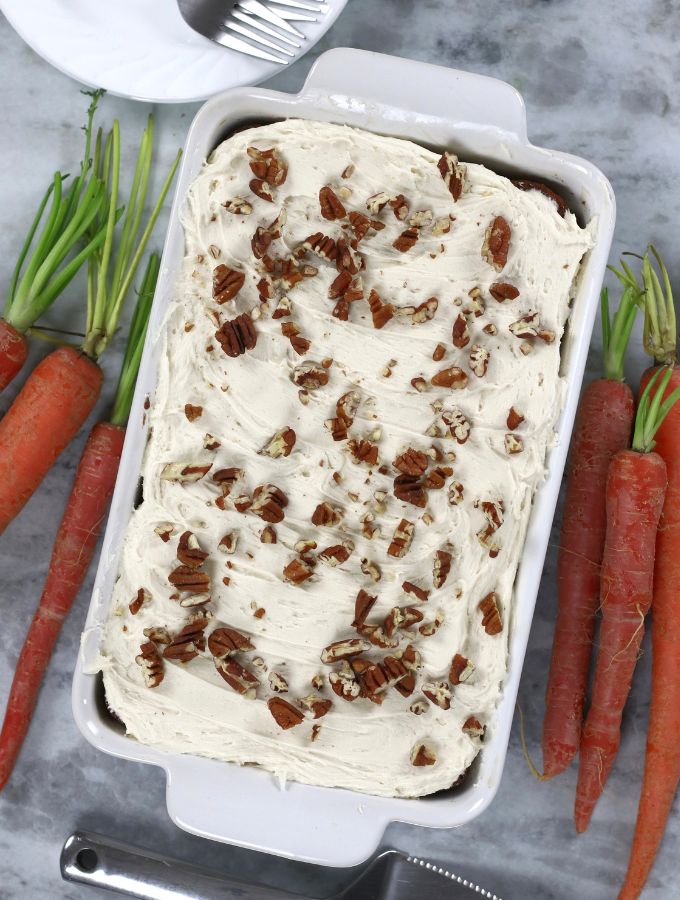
<point x="345" y="78"/>
<point x="253" y="815"/>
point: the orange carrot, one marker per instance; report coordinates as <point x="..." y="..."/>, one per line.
<point x="662" y="757"/>
<point x="13" y="352"/>
<point x="603" y="426"/>
<point x="636" y="486"/>
<point x="52" y="405"/>
<point x="75" y="544"/>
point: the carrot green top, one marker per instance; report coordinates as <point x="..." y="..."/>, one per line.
<point x="651" y="411"/>
<point x="616" y="331"/>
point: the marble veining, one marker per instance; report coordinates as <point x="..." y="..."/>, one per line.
<point x="599" y="80"/>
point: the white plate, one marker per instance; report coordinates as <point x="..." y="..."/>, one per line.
<point x="142" y="49"/>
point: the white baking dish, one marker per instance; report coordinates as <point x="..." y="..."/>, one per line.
<point x="483" y="120"/>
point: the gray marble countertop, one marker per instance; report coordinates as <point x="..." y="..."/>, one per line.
<point x="599" y="80"/>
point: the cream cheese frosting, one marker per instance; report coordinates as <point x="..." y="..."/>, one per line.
<point x="212" y="410"/>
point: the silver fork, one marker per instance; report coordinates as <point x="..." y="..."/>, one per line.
<point x="262" y="26"/>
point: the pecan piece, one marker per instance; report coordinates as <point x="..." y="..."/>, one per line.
<point x="461" y="669"/>
<point x="425" y="312"/>
<point x="497" y="243"/>
<point x="501" y="291"/>
<point x="239" y="679"/>
<point x="381" y="313"/>
<point x="228" y="542"/>
<point x="237" y="335"/>
<point x="401" y="540"/>
<point x="343" y="682"/>
<point x="438" y="353"/>
<point x="514" y="419"/>
<point x="411" y="462"/>
<point x="282" y="308"/>
<point x="187" y="643"/>
<point x="474" y="305"/>
<point x="189" y="580"/>
<point x="460" y="333"/>
<point x="165" y="531"/>
<point x="473" y="727"/>
<point x="513" y="444"/>
<point x="278" y="683"/>
<point x="297" y="571"/>
<point x="524" y="185"/>
<point x="331" y="207"/>
<point x="420" y="384"/>
<point x="326" y="514"/>
<point x="362" y="606"/>
<point x="427" y="629"/>
<point x="347" y="259"/>
<point x="438" y="692"/>
<point x="315" y="705"/>
<point x="458" y="424"/>
<point x="453" y="174"/>
<point x="222" y="642"/>
<point x="479" y="360"/>
<point x="347" y="406"/>
<point x="226" y="283"/>
<point x="453" y="377"/>
<point x="186" y="473"/>
<point x="268" y="166"/>
<point x="158" y="634"/>
<point x="376" y="203"/>
<point x="422" y="755"/>
<point x="321" y="245"/>
<point x="371" y="569"/>
<point x="409" y="489"/>
<point x="261" y="189"/>
<point x="363" y="451"/>
<point x="152" y="664"/>
<point x="418" y="707"/>
<point x="269" y="502"/>
<point x="227" y="478"/>
<point x="310" y="375"/>
<point x="339" y="285"/>
<point x="280" y="444"/>
<point x="491" y="616"/>
<point x="441" y="567"/>
<point x="189" y="551"/>
<point x="361" y="225"/>
<point x="238" y="206"/>
<point x="436" y="478"/>
<point x="406" y="240"/>
<point x="141" y="597"/>
<point x="399" y="206"/>
<point x="344" y="649"/>
<point x="192" y="412"/>
<point x="408" y="587"/>
<point x="407" y="685"/>
<point x="268" y="535"/>
<point x="337" y="554"/>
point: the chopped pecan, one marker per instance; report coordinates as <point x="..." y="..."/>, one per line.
<point x="242" y="503"/>
<point x="419" y="384"/>
<point x="419" y="706"/>
<point x="280" y="444"/>
<point x="409" y="489"/>
<point x="269" y="502"/>
<point x="362" y="606"/>
<point x="427" y="629"/>
<point x="441" y="567"/>
<point x="268" y="166"/>
<point x="189" y="641"/>
<point x="453" y="174"/>
<point x="282" y="308"/>
<point x="326" y="514"/>
<point x="436" y="478"/>
<point x="347" y="406"/>
<point x="228" y="542"/>
<point x="441" y="226"/>
<point x="347" y="259"/>
<point x="152" y="664"/>
<point x="371" y="569"/>
<point x="501" y="291"/>
<point x="438" y="353"/>
<point x="210" y="442"/>
<point x="438" y="692"/>
<point x="529" y="326"/>
<point x="376" y="203"/>
<point x="491" y="616"/>
<point x="473" y="727"/>
<point x="474" y="305"/>
<point x="401" y="617"/>
<point x="411" y="462"/>
<point x="399" y="206"/>
<point x="376" y="635"/>
<point x="514" y="419"/>
<point x="337" y="554"/>
<point x="381" y="313"/>
<point x="239" y="679"/>
<point x="368" y="528"/>
<point x="141" y="597"/>
<point x="407" y="685"/>
<point x="315" y="705"/>
<point x="331" y="207"/>
<point x="158" y="634"/>
<point x="189" y="551"/>
<point x="297" y="571"/>
<point x="186" y="473"/>
<point x="458" y="424"/>
<point x="261" y="189"/>
<point x="278" y="683"/>
<point x="360" y="223"/>
<point x="422" y="755"/>
<point x="408" y="587"/>
<point x="497" y="243"/>
<point x="425" y="312"/>
<point x="401" y="540"/>
<point x="237" y="335"/>
<point x="453" y="377"/>
<point x="227" y="478"/>
<point x="268" y="535"/>
<point x="337" y="428"/>
<point x="421" y="218"/>
<point x="461" y="669"/>
<point x="165" y="531"/>
<point x="192" y="412"/>
<point x="339" y="285"/>
<point x="310" y="375"/>
<point x="479" y="360"/>
<point x="189" y="580"/>
<point x="261" y="241"/>
<point x="513" y="444"/>
<point x="344" y="649"/>
<point x="524" y="185"/>
<point x="226" y="283"/>
<point x="238" y="206"/>
<point x="406" y="240"/>
<point x="343" y="682"/>
<point x="363" y="451"/>
<point x="321" y="245"/>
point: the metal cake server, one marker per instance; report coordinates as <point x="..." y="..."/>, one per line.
<point x="89" y="858"/>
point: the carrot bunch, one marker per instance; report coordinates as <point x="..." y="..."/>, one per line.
<point x="76" y="538"/>
<point x="62" y="390"/>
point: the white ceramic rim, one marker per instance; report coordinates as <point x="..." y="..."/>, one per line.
<point x="481" y="119"/>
